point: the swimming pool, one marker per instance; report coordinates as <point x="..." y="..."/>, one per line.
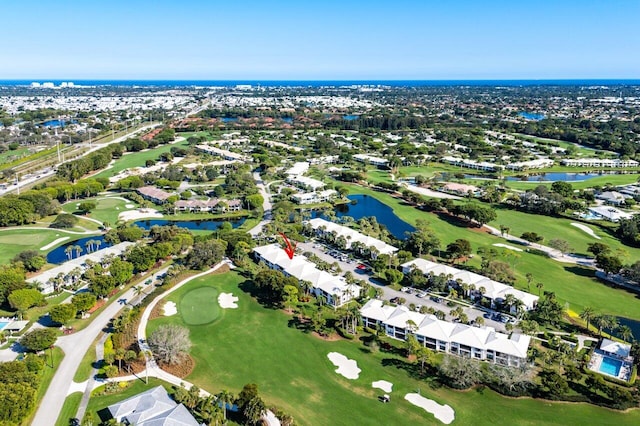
<point x="3" y="324"/>
<point x="610" y="366"/>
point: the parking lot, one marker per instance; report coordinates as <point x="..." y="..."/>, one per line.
<point x="418" y="298"/>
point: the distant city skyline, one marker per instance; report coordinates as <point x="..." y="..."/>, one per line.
<point x="328" y="40"/>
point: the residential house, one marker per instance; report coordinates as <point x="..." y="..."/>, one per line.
<point x="305" y="182"/>
<point x="481" y="343"/>
<point x="370" y="159"/>
<point x="333" y="289"/>
<point x="315" y="197"/>
<point x="226" y="154"/>
<point x="611" y="214"/>
<point x="207" y="206"/>
<point x="153" y="194"/>
<point x="152" y="408"/>
<point x="461" y="189"/>
<point x="613" y="198"/>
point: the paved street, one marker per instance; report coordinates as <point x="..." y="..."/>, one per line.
<point x="74" y="347"/>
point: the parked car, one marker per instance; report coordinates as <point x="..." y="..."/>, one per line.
<point x="404" y="289"/>
<point x="395" y="300"/>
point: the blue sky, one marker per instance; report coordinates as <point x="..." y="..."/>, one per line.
<point x="348" y="39"/>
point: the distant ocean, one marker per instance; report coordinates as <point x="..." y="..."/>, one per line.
<point x="320" y="83"/>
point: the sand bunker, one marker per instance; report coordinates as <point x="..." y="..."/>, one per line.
<point x="384" y="385"/>
<point x="129" y="206"/>
<point x="139" y="214"/>
<point x="169" y="309"/>
<point x="346" y="367"/>
<point x="586" y="229"/>
<point x="53" y="243"/>
<point x="444" y="413"/>
<point x="227" y="301"/>
<point x="507" y="246"/>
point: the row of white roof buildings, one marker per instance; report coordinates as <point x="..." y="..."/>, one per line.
<point x="481" y="343"/>
<point x="333" y="289"/>
<point x="324" y="227"/>
<point x="539" y="163"/>
<point x="495" y="291"/>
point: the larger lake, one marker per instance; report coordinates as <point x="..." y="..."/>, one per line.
<point x="366" y="206"/>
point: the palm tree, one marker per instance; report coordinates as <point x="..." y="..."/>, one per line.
<point x="540" y="286"/>
<point x="68" y="251"/>
<point x="78" y="250"/>
<point x="587" y="314"/>
<point x="88" y="245"/>
<point x="625" y="333"/>
<point x="529" y="277"/>
<point x="225" y="397"/>
<point x="600" y="322"/>
<point x="254" y="409"/>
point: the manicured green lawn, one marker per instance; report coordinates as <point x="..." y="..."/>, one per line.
<point x="253" y="344"/>
<point x="12" y="155"/>
<point x="551" y="227"/>
<point x="69" y="409"/>
<point x="14" y="241"/>
<point x="137" y="159"/>
<point x="107" y="208"/>
<point x="589" y="183"/>
<point x="199" y="306"/>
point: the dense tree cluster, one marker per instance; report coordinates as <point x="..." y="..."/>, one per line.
<point x="19" y="381"/>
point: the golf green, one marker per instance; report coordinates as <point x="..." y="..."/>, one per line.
<point x="200" y="306"/>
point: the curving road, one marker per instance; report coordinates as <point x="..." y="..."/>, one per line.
<point x="74" y="347"/>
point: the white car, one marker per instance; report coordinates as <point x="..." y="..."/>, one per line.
<point x="404" y="289"/>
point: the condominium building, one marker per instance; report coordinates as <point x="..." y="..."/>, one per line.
<point x="481" y="343"/>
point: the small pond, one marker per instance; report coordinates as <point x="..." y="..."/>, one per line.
<point x="59" y="254"/>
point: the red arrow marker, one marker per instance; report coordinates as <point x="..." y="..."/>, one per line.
<point x="289" y="249"/>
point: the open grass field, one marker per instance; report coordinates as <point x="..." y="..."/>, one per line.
<point x="253" y="344"/>
<point x="199" y="306"/>
<point x="136" y="159"/>
<point x="12" y="155"/>
<point x="574" y="285"/>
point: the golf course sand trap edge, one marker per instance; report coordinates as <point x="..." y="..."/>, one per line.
<point x="348" y="368"/>
<point x="169" y="309"/>
<point x="53" y="243"/>
<point x="227" y="301"/>
<point x="586" y="229"/>
<point x="383" y="385"/>
<point x="507" y="246"/>
<point x="444" y="413"/>
<point x="130" y="206"/>
<point x="139" y="214"/>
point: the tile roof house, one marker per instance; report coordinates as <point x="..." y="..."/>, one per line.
<point x="152" y="408"/>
